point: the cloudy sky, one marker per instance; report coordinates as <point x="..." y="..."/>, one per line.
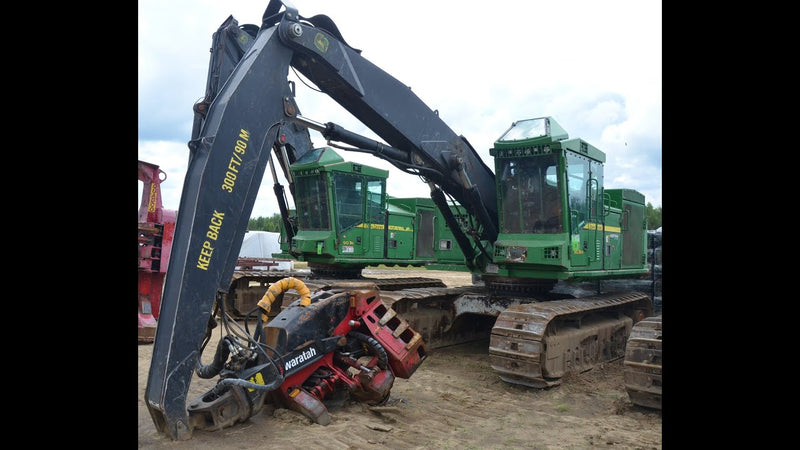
<point x="594" y="66"/>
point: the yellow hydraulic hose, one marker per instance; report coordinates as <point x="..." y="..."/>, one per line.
<point x="280" y="287"/>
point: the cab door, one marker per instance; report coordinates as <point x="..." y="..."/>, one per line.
<point x="375" y="219"/>
<point x="349" y="206"/>
<point x="400" y="237"/>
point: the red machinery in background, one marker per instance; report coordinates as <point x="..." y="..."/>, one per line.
<point x="156" y="231"/>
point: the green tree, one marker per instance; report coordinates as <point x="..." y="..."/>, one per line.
<point x="260" y="223"/>
<point x="653" y="216"/>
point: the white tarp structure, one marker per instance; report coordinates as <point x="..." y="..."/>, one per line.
<point x="262" y="244"/>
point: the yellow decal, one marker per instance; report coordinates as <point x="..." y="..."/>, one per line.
<point x="371" y="226"/>
<point x="594" y="226"/>
<point x="213" y="231"/>
<point x="236" y="161"/>
<point x="379" y="226"/>
<point x="321" y="42"/>
<point x="151" y="204"/>
<point x="257" y="379"/>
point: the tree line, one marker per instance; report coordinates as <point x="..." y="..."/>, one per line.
<point x="653" y="216"/>
<point x="273" y="224"/>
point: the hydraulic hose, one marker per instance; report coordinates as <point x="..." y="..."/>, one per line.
<point x="278" y="288"/>
<point x="211" y="370"/>
<point x="380" y="352"/>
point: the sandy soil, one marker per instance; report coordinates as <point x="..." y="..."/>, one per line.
<point x="454" y="400"/>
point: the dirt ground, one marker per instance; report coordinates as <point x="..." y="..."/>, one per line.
<point x="453" y="401"/>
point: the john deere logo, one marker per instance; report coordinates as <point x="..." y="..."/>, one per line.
<point x="321" y="42"/>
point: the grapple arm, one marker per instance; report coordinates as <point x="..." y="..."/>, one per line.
<point x="226" y="164"/>
<point x="248" y="111"/>
<point x="418" y="138"/>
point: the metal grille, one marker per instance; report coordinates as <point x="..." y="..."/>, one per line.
<point x="551" y="253"/>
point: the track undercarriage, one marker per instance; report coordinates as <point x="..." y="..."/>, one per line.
<point x="535" y="339"/>
<point x="642" y="371"/>
<point x="248" y="286"/>
<point x="535" y="344"/>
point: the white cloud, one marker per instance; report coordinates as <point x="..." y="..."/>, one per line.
<point x="594" y="66"/>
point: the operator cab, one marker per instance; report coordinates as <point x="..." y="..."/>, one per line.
<point x="529" y="181"/>
<point x="556" y="221"/>
<point x="346" y="220"/>
<point x="341" y="208"/>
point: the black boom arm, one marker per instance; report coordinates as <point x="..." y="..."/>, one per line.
<point x="248" y="112"/>
<point x="391" y="110"/>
